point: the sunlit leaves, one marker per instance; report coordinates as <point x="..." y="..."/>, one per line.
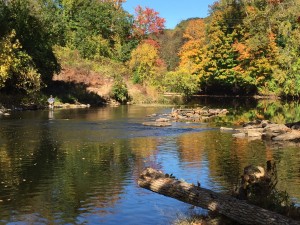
<point x="147" y="21"/>
<point x="182" y="81"/>
<point x="191" y="53"/>
<point x="146" y="64"/>
<point x="117" y="3"/>
<point x="16" y="66"/>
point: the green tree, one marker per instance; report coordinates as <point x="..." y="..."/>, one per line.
<point x="171" y="40"/>
<point x="33" y="35"/>
<point x="97" y="29"/>
<point x="220" y="59"/>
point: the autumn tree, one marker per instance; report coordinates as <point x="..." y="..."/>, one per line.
<point x="265" y="48"/>
<point x="219" y="60"/>
<point x="191" y="53"/>
<point x="98" y="29"/>
<point x="17" y="69"/>
<point x="146" y="64"/>
<point x="147" y="21"/>
<point x="286" y="27"/>
<point x="185" y="79"/>
<point x="30" y="43"/>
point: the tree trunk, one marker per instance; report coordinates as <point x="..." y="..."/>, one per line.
<point x="233" y="208"/>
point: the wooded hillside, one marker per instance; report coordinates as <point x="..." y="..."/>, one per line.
<point x="242" y="47"/>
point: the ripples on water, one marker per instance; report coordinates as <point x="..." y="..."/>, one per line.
<point x="81" y="166"/>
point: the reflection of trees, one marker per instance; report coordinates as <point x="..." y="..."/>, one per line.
<point x="25" y="155"/>
<point x="92" y="177"/>
<point x="228" y="156"/>
<point x="107" y="113"/>
<point x="41" y="174"/>
<point x="275" y="111"/>
<point x="30" y="153"/>
<point x="143" y="147"/>
<point x="191" y="147"/>
<point x="144" y="150"/>
<point x="288" y="168"/>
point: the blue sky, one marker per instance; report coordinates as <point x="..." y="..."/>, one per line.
<point x="173" y="11"/>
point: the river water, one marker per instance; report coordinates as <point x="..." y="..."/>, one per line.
<point x="81" y="166"/>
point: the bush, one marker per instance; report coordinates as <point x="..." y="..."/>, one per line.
<point x="119" y="91"/>
<point x="182" y="82"/>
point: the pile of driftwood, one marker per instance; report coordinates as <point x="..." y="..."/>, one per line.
<point x="269" y="131"/>
<point x="234" y="207"/>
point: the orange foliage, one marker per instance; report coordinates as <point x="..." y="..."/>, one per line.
<point x="273" y="48"/>
<point x="191" y="53"/>
<point x="195" y="30"/>
<point x="242" y="49"/>
<point x="152" y="42"/>
<point x="250" y="9"/>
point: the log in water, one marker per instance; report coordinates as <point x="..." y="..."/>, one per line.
<point x="231" y="207"/>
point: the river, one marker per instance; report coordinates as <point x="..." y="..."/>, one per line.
<point x="81" y="166"/>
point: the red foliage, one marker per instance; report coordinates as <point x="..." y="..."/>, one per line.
<point x="152" y="42"/>
<point x="147" y="21"/>
<point x="275" y="2"/>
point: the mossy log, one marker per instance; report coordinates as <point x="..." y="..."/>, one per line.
<point x="226" y="205"/>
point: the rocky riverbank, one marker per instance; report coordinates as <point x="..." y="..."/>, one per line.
<point x="264" y="129"/>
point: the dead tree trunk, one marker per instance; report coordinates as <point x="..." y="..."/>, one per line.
<point x="233" y="208"/>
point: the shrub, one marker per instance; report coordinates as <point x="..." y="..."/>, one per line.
<point x="119" y="91"/>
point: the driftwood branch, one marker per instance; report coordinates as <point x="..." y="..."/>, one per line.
<point x="231" y="207"/>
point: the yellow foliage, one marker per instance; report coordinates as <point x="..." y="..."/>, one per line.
<point x="146" y="63"/>
<point x="7" y="56"/>
<point x="16" y="65"/>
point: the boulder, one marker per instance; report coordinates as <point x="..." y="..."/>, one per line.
<point x="239" y="135"/>
<point x="293" y="135"/>
<point x="253" y="133"/>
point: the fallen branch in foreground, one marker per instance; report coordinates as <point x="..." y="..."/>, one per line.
<point x="231" y="207"/>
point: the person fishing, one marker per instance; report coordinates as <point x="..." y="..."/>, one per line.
<point x="51" y="101"/>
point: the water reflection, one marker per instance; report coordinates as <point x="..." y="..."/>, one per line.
<point x="81" y="166"/>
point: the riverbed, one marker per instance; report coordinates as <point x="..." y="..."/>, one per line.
<point x="80" y="166"/>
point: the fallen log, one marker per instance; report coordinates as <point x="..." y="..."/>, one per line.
<point x="226" y="205"/>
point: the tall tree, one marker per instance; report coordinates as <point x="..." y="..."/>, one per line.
<point x="264" y="53"/>
<point x="98" y="28"/>
<point x="191" y="53"/>
<point x="33" y="36"/>
<point x="224" y="25"/>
